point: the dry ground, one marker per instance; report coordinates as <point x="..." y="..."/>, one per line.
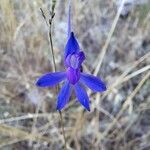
<point x="119" y="118"/>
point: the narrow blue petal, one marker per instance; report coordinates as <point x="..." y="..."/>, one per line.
<point x="72" y="45"/>
<point x="50" y="79"/>
<point x="82" y="96"/>
<point x="93" y="82"/>
<point x="63" y="96"/>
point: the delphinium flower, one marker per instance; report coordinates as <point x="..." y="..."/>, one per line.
<point x="74" y="79"/>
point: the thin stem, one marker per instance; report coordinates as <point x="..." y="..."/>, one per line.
<point x="53" y="57"/>
<point x="49" y="25"/>
<point x="63" y="131"/>
<point x="51" y="45"/>
<point x="69" y="21"/>
<point x="104" y="49"/>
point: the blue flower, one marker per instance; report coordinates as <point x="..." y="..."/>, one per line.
<point x="73" y="78"/>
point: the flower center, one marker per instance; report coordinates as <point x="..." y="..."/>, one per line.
<point x="73" y="75"/>
<point x="73" y="63"/>
<point x="75" y="60"/>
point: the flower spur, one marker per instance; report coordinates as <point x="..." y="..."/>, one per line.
<point x="73" y="77"/>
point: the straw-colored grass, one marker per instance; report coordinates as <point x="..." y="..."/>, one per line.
<point x="117" y="50"/>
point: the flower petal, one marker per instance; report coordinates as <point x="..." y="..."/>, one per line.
<point x="93" y="82"/>
<point x="50" y="79"/>
<point x="63" y="96"/>
<point x="72" y="45"/>
<point x="82" y="96"/>
<point x="81" y="58"/>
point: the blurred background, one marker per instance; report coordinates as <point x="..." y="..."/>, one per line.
<point x="119" y="118"/>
